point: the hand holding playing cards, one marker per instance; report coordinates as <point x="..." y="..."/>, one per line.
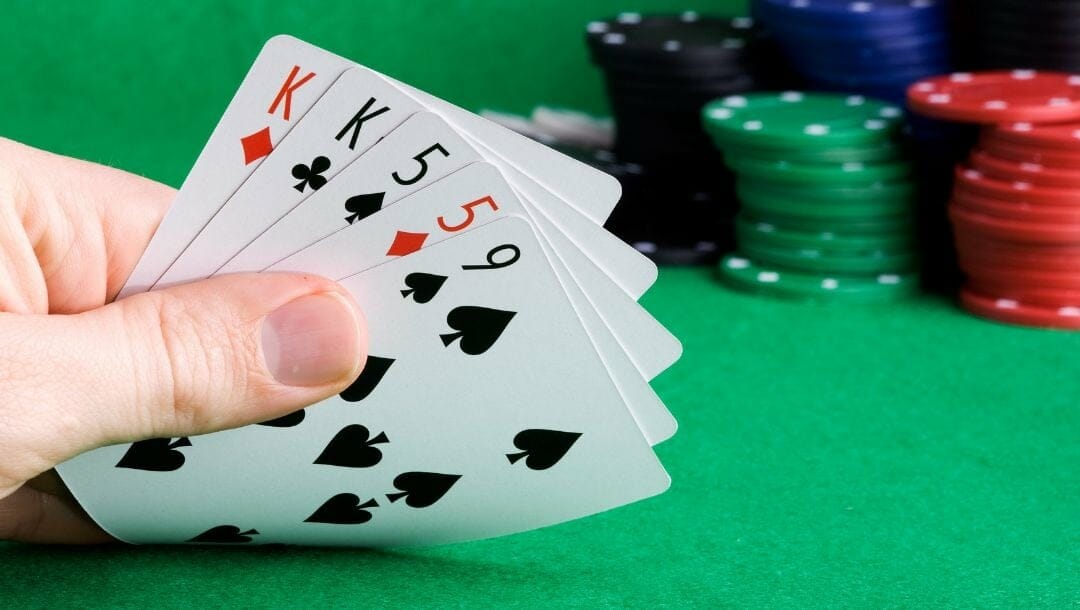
<point x="77" y="373"/>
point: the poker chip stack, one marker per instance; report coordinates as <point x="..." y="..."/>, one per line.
<point x="871" y="47"/>
<point x="1015" y="206"/>
<point x="1042" y="34"/>
<point x="659" y="71"/>
<point x="826" y="196"/>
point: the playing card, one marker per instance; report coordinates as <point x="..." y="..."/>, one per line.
<point x="357" y="110"/>
<point x="471" y="197"/>
<point x="286" y="79"/>
<point x="469" y="421"/>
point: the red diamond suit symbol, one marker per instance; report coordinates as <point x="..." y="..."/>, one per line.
<point x="406" y="243"/>
<point x="257" y="145"/>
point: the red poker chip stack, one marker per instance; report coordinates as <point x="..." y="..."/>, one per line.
<point x="1015" y="208"/>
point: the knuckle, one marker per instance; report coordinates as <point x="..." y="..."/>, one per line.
<point x="200" y="363"/>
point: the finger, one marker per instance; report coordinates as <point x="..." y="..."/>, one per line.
<point x="73" y="230"/>
<point x="206" y="356"/>
<point x="29" y="515"/>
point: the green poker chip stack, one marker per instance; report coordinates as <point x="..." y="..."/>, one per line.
<point x="827" y="197"/>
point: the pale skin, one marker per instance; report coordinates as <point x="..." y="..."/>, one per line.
<point x="79" y="371"/>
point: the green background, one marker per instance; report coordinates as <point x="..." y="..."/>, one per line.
<point x="901" y="456"/>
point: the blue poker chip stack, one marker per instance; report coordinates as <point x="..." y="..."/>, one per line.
<point x="872" y="47"/>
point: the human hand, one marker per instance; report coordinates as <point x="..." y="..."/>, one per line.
<point x="77" y="372"/>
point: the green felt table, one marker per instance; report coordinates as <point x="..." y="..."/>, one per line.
<point x="883" y="456"/>
<point x="886" y="456"/>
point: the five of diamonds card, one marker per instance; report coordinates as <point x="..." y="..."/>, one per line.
<point x="507" y="386"/>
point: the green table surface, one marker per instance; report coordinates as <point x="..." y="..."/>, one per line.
<point x="884" y="456"/>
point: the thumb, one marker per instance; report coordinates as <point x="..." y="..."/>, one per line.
<point x="196" y="358"/>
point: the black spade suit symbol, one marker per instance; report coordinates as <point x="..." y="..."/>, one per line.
<point x="542" y="449"/>
<point x="360" y="207"/>
<point x="286" y="421"/>
<point x="373" y="372"/>
<point x="422" y="489"/>
<point x="422" y="286"/>
<point x="478" y="327"/>
<point x="155" y="454"/>
<point x="343" y="509"/>
<point x="225" y="534"/>
<point x="352" y="447"/>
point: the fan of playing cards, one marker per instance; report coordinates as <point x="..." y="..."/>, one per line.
<point x="507" y="386"/>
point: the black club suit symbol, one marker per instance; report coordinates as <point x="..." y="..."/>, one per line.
<point x="311" y="175"/>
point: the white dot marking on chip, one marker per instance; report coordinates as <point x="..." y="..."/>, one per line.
<point x="768" y="277"/>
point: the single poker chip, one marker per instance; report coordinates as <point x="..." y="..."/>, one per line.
<point x="877" y="192"/>
<point x="829" y="261"/>
<point x="1036" y="174"/>
<point x="1003" y="254"/>
<point x="852" y="21"/>
<point x="764" y="204"/>
<point x="998" y="97"/>
<point x="864" y="59"/>
<point x="1065" y="136"/>
<point x="1013" y="230"/>
<point x="768" y="234"/>
<point x="829" y="174"/>
<point x="1011" y="311"/>
<point x="669" y="39"/>
<point x="743" y="273"/>
<point x="800" y="120"/>
<point x="1052" y="297"/>
<point x="1025" y="212"/>
<point x="974" y="182"/>
<point x="881" y="153"/>
<point x="1051" y="157"/>
<point x="1031" y="278"/>
<point x="876" y="226"/>
<point x="979" y="258"/>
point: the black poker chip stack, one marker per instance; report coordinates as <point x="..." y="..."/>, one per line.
<point x="678" y="199"/>
<point x="1039" y="34"/>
